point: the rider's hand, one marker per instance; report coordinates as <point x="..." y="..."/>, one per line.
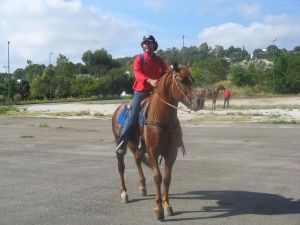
<point x="152" y="82"/>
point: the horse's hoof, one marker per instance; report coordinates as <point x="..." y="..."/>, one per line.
<point x="143" y="191"/>
<point x="168" y="211"/>
<point x="159" y="214"/>
<point x="124" y="197"/>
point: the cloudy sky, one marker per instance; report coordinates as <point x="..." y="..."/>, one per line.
<point x="70" y="27"/>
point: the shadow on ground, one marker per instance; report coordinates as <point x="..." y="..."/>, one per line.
<point x="231" y="203"/>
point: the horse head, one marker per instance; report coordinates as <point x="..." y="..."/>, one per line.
<point x="186" y="90"/>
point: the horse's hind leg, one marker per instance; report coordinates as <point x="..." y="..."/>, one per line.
<point x="121" y="168"/>
<point x="138" y="154"/>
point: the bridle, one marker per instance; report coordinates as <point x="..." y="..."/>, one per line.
<point x="174" y="81"/>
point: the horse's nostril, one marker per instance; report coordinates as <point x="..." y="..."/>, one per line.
<point x="199" y="102"/>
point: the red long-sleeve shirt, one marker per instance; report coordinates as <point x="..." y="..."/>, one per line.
<point x="152" y="67"/>
<point x="227" y="94"/>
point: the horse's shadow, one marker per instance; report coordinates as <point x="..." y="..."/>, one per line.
<point x="231" y="203"/>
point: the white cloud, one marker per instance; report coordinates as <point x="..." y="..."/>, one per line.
<point x="62" y="27"/>
<point x="156" y="5"/>
<point x="250" y="11"/>
<point x="284" y="28"/>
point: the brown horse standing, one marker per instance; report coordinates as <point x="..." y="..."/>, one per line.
<point x="214" y="94"/>
<point x="160" y="135"/>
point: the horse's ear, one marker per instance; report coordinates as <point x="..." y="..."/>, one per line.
<point x="175" y="67"/>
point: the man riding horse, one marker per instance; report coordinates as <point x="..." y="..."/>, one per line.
<point x="158" y="132"/>
<point x="147" y="68"/>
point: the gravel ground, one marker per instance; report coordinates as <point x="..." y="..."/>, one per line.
<point x="59" y="172"/>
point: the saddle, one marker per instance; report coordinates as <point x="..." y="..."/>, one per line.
<point x="125" y="109"/>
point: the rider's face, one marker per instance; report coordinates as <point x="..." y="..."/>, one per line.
<point x="148" y="47"/>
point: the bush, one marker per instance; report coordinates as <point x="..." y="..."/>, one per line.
<point x="17" y="97"/>
<point x="2" y="98"/>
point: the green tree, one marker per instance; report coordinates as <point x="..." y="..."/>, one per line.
<point x="10" y="87"/>
<point x="293" y="73"/>
<point x="251" y="75"/>
<point x="24" y="89"/>
<point x="209" y="71"/>
<point x="236" y="54"/>
<point x="237" y="75"/>
<point x="281" y="66"/>
<point x="19" y="74"/>
<point x="39" y="89"/>
<point x="98" y="62"/>
<point x="33" y="71"/>
<point x="64" y="74"/>
<point x="204" y="50"/>
<point x="296" y="49"/>
<point x="80" y="86"/>
<point x="218" y="51"/>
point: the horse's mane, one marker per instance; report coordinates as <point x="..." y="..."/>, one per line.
<point x="161" y="82"/>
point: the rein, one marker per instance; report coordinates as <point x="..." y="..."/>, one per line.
<point x="173" y="106"/>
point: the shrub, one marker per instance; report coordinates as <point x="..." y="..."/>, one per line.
<point x="17" y="97"/>
<point x="2" y="98"/>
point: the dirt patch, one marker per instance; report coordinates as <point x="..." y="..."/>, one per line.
<point x="263" y="110"/>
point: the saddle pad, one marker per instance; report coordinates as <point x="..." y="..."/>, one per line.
<point x="122" y="116"/>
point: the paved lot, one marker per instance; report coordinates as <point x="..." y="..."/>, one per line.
<point x="57" y="171"/>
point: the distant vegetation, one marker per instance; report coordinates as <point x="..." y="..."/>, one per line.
<point x="99" y="75"/>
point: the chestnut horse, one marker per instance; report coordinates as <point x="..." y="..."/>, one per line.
<point x="214" y="94"/>
<point x="160" y="134"/>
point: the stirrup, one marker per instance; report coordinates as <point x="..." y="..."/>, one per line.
<point x="121" y="151"/>
<point x="119" y="145"/>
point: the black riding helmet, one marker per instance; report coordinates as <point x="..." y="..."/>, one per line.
<point x="151" y="39"/>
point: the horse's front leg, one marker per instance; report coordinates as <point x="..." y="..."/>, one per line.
<point x="214" y="104"/>
<point x="157" y="177"/>
<point x="121" y="168"/>
<point x="169" y="162"/>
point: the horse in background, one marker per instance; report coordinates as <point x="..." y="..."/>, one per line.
<point x="213" y="94"/>
<point x="160" y="134"/>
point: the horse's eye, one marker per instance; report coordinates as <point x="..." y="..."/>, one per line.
<point x="186" y="81"/>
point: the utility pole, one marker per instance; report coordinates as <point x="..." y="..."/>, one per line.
<point x="182" y="49"/>
<point x="50" y="58"/>
<point x="8" y="66"/>
<point x="50" y="75"/>
<point x="8" y="75"/>
<point x="274" y="65"/>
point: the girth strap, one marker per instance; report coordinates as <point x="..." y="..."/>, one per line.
<point x="161" y="125"/>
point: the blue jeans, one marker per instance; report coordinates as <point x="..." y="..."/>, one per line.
<point x="133" y="113"/>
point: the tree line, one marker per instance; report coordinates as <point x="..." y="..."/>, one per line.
<point x="100" y="75"/>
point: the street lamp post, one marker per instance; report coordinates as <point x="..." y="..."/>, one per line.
<point x="50" y="58"/>
<point x="8" y="74"/>
<point x="183" y="49"/>
<point x="274" y="65"/>
<point x="50" y="75"/>
<point x="8" y="66"/>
